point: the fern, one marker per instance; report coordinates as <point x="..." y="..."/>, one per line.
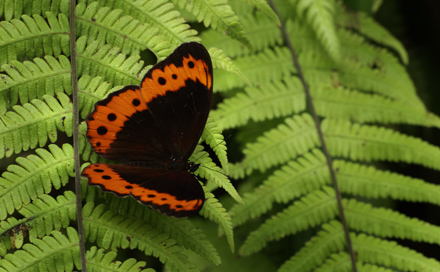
<point x="263" y="32"/>
<point x="183" y="231"/>
<point x="108" y="63"/>
<point x="288" y="218"/>
<point x="217" y="14"/>
<point x="357" y="87"/>
<point x="32" y="37"/>
<point x="33" y="124"/>
<point x="107" y="27"/>
<point x="22" y="79"/>
<point x="110" y="230"/>
<point x="99" y="260"/>
<point x="320" y="16"/>
<point x="17" y="8"/>
<point x="34" y="177"/>
<point x="160" y="14"/>
<point x="52" y="253"/>
<point x="270" y="100"/>
<point x="258" y="68"/>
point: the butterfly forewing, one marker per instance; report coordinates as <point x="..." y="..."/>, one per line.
<point x="188" y="81"/>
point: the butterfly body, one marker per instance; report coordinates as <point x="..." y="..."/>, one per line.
<point x="153" y="129"/>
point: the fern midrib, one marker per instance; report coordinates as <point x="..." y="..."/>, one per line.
<point x="321" y="243"/>
<point x="108" y="66"/>
<point x="24" y="38"/>
<point x="262" y="100"/>
<point x="113" y="30"/>
<point x="286" y="219"/>
<point x="154" y="248"/>
<point x="379" y="180"/>
<point x="255" y="29"/>
<point x="374" y="216"/>
<point x="395" y="254"/>
<point x="30" y="79"/>
<point x="376" y="107"/>
<point x="270" y="191"/>
<point x="59" y="250"/>
<point x="393" y="88"/>
<point x="51" y="164"/>
<point x="161" y="26"/>
<point x="264" y="149"/>
<point x="252" y="68"/>
<point x="378" y="142"/>
<point x="220" y="18"/>
<point x="36" y="215"/>
<point x="45" y="117"/>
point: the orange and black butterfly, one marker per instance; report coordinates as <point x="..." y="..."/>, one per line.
<point x="152" y="130"/>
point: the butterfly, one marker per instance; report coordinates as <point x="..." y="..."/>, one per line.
<point x="152" y="130"/>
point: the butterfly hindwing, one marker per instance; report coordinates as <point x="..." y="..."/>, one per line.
<point x="176" y="193"/>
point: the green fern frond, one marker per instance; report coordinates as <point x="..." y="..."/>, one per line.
<point x="265" y="102"/>
<point x="292" y="138"/>
<point x="12" y="233"/>
<point x="210" y="171"/>
<point x="364" y="66"/>
<point x="294" y="179"/>
<point x="327" y="241"/>
<point x="30" y="80"/>
<point x="337" y="262"/>
<point x="311" y="210"/>
<point x="98" y="260"/>
<point x="363" y="142"/>
<point x="366" y="181"/>
<point x="370" y="267"/>
<point x="213" y="137"/>
<point x="341" y="103"/>
<point x="214" y="211"/>
<point x="220" y="60"/>
<point x="90" y="91"/>
<point x="218" y="15"/>
<point x="35" y="176"/>
<point x="16" y="8"/>
<point x="46" y="214"/>
<point x="181" y="230"/>
<point x="33" y="37"/>
<point x="262" y="6"/>
<point x="109" y="27"/>
<point x="355" y="75"/>
<point x="110" y="231"/>
<point x="52" y="253"/>
<point x="262" y="33"/>
<point x="370" y="28"/>
<point x="387" y="223"/>
<point x="386" y="253"/>
<point x="108" y="63"/>
<point x="320" y="16"/>
<point x="41" y="218"/>
<point x="160" y="14"/>
<point x="33" y="124"/>
<point x="259" y="68"/>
